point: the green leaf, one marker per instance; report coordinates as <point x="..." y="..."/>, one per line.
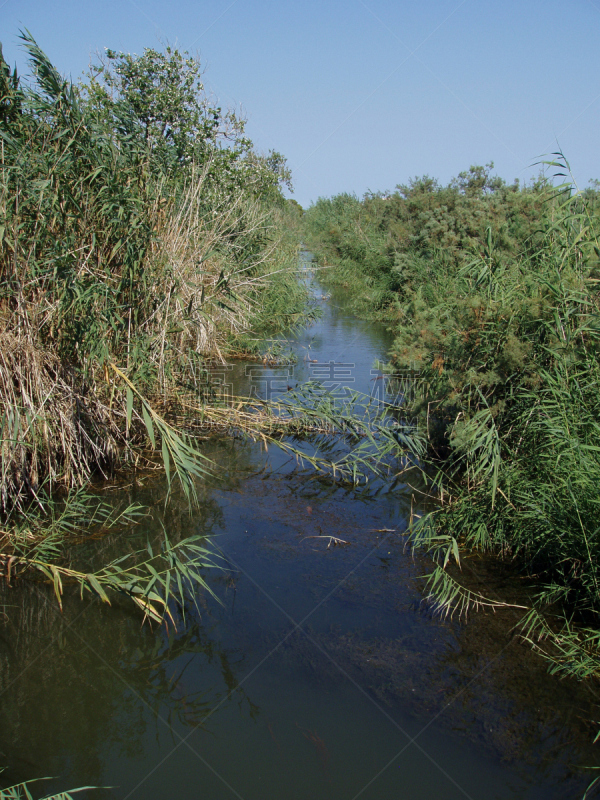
<point x="97" y="587"/>
<point x="166" y="460"/>
<point x="129" y="396"/>
<point x="455" y="550"/>
<point x="149" y="425"/>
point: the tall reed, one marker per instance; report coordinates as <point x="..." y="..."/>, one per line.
<point x="127" y="264"/>
<point x="505" y="338"/>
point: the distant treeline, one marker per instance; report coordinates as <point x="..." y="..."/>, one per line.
<point x="378" y="243"/>
<point x="491" y="291"/>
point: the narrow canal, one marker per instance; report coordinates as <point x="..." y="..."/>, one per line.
<point x="320" y="675"/>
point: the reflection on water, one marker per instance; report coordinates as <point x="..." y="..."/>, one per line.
<point x="320" y="674"/>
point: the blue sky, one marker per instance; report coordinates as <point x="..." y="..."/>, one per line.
<point x="364" y="94"/>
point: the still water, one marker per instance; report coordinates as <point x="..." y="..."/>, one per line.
<point x="320" y="674"/>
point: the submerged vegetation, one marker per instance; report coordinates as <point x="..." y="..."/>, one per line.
<point x="492" y="293"/>
<point x="142" y="238"/>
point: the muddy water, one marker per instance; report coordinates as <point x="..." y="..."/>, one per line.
<point x="320" y="674"/>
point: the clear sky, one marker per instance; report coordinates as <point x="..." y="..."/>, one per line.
<point x="361" y="95"/>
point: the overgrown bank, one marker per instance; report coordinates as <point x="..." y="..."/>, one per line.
<point x="141" y="238"/>
<point x="491" y="291"/>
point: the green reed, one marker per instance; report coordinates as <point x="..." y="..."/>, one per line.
<point x="138" y="245"/>
<point x="503" y="329"/>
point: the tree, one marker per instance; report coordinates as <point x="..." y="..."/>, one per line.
<point x="158" y="100"/>
<point x="164" y="95"/>
<point x="477" y="181"/>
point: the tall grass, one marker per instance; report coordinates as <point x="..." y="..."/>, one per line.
<point x="124" y="270"/>
<point x="104" y="260"/>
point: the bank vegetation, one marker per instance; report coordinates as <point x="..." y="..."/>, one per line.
<point x="491" y="291"/>
<point x="142" y="239"/>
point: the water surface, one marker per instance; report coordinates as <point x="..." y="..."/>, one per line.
<point x="320" y="674"/>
